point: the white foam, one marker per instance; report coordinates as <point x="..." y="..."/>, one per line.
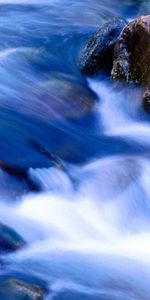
<point x="98" y="216"/>
<point x="115" y="118"/>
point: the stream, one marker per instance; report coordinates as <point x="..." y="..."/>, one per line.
<point x="76" y="152"/>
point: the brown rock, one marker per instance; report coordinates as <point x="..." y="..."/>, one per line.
<point x="132" y="52"/>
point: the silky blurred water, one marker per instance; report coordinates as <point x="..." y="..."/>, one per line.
<point x="74" y="156"/>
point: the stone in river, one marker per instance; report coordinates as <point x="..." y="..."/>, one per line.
<point x="16" y="289"/>
<point x="132" y="52"/>
<point x="97" y="56"/>
<point x="146" y="100"/>
<point x="10" y="240"/>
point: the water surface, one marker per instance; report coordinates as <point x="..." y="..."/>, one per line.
<point x="74" y="155"/>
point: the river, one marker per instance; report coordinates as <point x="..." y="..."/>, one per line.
<point x="76" y="150"/>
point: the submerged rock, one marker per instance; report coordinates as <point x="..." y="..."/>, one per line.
<point x="16" y="289"/>
<point x="132" y="52"/>
<point x="76" y="295"/>
<point x="126" y="171"/>
<point x="10" y="240"/>
<point x="63" y="97"/>
<point x="97" y="56"/>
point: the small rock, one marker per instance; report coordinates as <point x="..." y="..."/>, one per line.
<point x="10" y="240"/>
<point x="97" y="56"/>
<point x="132" y="52"/>
<point x="146" y="101"/>
<point x="16" y="289"/>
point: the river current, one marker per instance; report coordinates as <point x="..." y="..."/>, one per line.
<point x="75" y="151"/>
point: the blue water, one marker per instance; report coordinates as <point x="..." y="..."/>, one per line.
<point x="74" y="156"/>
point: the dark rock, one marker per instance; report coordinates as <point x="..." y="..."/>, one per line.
<point x="16" y="289"/>
<point x="146" y="101"/>
<point x="132" y="52"/>
<point x="97" y="56"/>
<point x="21" y="177"/>
<point x="10" y="240"/>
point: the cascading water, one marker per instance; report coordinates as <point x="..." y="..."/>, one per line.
<point x="87" y="227"/>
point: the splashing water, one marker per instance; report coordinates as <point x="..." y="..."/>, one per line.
<point x="88" y="228"/>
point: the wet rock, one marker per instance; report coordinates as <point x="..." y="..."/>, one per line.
<point x="10" y="240"/>
<point x="16" y="289"/>
<point x="146" y="100"/>
<point x="132" y="52"/>
<point x="97" y="56"/>
<point x="14" y="181"/>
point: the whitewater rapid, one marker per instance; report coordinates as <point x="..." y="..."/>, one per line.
<point x="75" y="185"/>
<point x="99" y="207"/>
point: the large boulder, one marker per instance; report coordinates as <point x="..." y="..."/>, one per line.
<point x="16" y="289"/>
<point x="97" y="56"/>
<point x="132" y="52"/>
<point x="10" y="240"/>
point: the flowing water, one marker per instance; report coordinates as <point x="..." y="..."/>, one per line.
<point x="75" y="155"/>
